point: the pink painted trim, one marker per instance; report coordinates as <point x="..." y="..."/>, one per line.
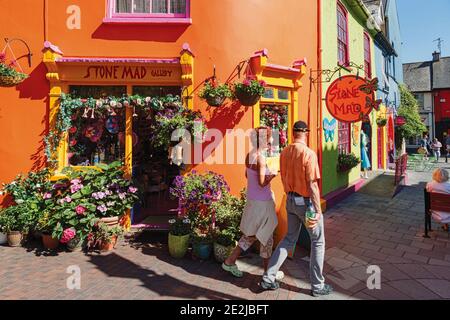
<point x="261" y="53"/>
<point x="299" y="63"/>
<point x="282" y="68"/>
<point x="119" y="60"/>
<point x="337" y="196"/>
<point x="49" y="45"/>
<point x="167" y="21"/>
<point x="111" y="12"/>
<point x="186" y="48"/>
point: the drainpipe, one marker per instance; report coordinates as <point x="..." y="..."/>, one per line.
<point x="319" y="89"/>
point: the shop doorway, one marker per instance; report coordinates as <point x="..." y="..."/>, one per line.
<point x="153" y="169"/>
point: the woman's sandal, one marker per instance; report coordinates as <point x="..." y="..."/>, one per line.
<point x="233" y="270"/>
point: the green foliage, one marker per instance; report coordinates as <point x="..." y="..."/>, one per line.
<point x="17" y="218"/>
<point x="347" y="162"/>
<point x="381" y="122"/>
<point x="229" y="210"/>
<point x="409" y="109"/>
<point x="250" y="87"/>
<point x="211" y="90"/>
<point x="7" y="70"/>
<point x="180" y="226"/>
<point x="225" y="237"/>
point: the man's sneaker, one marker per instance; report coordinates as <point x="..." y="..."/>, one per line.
<point x="269" y="286"/>
<point x="326" y="290"/>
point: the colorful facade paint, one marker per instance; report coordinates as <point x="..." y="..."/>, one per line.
<point x="346" y="137"/>
<point x="82" y="42"/>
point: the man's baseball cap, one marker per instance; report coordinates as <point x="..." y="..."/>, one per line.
<point x="301" y="126"/>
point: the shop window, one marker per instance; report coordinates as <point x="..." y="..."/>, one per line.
<point x="276" y="117"/>
<point x="283" y="94"/>
<point x="269" y="94"/>
<point x="149" y="8"/>
<point x="342" y="36"/>
<point x="367" y="56"/>
<point x="96" y="137"/>
<point x="344" y="138"/>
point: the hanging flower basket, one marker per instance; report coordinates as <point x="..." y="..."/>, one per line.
<point x="346" y="162"/>
<point x="249" y="92"/>
<point x="215" y="94"/>
<point x="9" y="77"/>
<point x="11" y="81"/>
<point x="216" y="101"/>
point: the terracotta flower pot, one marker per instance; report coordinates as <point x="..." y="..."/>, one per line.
<point x="111" y="222"/>
<point x="49" y="242"/>
<point x="3" y="238"/>
<point x="178" y="245"/>
<point x="108" y="245"/>
<point x="221" y="253"/>
<point x="14" y="238"/>
<point x="247" y="100"/>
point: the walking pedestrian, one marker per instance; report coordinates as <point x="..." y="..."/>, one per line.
<point x="259" y="219"/>
<point x="447" y="144"/>
<point x="424" y="146"/>
<point x="436" y="146"/>
<point x="300" y="173"/>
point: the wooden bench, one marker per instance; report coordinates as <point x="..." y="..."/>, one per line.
<point x="434" y="202"/>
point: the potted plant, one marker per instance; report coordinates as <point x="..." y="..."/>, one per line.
<point x="224" y="243"/>
<point x="179" y="232"/>
<point x="12" y="225"/>
<point x="249" y="91"/>
<point x="103" y="237"/>
<point x="215" y="94"/>
<point x="46" y="231"/>
<point x="3" y="232"/>
<point x="346" y="162"/>
<point x="202" y="243"/>
<point x="381" y="122"/>
<point x="9" y="77"/>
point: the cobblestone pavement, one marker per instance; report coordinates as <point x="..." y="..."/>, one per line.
<point x="361" y="231"/>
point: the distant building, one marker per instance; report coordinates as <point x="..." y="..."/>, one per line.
<point x="388" y="64"/>
<point x="429" y="81"/>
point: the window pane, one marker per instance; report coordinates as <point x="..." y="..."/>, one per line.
<point x="123" y="6"/>
<point x="178" y="6"/>
<point x="97" y="136"/>
<point x="269" y="94"/>
<point x="283" y="94"/>
<point x="141" y="6"/>
<point x="159" y="6"/>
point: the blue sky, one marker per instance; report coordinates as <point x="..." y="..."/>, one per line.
<point x="421" y="22"/>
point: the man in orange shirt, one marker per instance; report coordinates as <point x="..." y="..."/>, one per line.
<point x="299" y="174"/>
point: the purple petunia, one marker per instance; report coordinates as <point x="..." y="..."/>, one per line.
<point x="102" y="208"/>
<point x="132" y="189"/>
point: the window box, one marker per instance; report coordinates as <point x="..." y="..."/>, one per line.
<point x="170" y="12"/>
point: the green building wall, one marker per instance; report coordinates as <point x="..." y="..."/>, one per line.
<point x="332" y="180"/>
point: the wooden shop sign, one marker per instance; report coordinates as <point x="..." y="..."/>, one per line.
<point x="351" y="98"/>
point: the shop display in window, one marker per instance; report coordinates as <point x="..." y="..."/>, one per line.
<point x="276" y="117"/>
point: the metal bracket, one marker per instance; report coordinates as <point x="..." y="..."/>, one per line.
<point x="327" y="75"/>
<point x="29" y="55"/>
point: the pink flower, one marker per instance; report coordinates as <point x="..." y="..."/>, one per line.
<point x="73" y="129"/>
<point x="246" y="82"/>
<point x="80" y="210"/>
<point x="68" y="199"/>
<point x="122" y="196"/>
<point x="75" y="181"/>
<point x="102" y="208"/>
<point x="47" y="195"/>
<point x="263" y="83"/>
<point x="2" y="57"/>
<point x="73" y="142"/>
<point x="68" y="235"/>
<point x="132" y="189"/>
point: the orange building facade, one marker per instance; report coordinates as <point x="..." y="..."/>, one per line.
<point x="131" y="44"/>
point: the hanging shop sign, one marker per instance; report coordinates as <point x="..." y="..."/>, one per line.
<point x="351" y="98"/>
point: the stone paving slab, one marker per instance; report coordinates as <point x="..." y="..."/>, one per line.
<point x="361" y="231"/>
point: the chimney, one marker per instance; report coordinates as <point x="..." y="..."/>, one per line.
<point x="436" y="56"/>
